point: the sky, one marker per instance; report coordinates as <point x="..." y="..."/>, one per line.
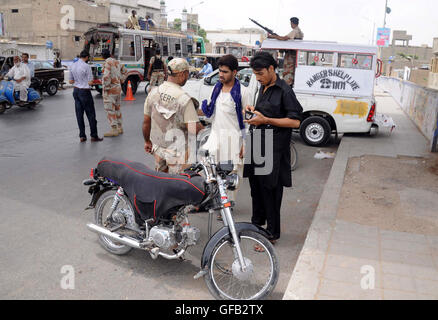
<point x="349" y="21"/>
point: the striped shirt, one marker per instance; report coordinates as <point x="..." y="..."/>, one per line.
<point x="81" y="74"/>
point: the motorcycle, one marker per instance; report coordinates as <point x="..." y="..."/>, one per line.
<point x="136" y="207"/>
<point x="9" y="97"/>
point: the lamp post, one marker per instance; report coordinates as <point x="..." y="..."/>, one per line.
<point x="387" y="11"/>
<point x="191" y="13"/>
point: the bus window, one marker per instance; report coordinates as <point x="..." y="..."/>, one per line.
<point x="138" y="48"/>
<point x="128" y="49"/>
<point x="116" y="48"/>
<point x="320" y="59"/>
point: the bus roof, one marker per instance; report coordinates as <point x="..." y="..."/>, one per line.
<point x="273" y="44"/>
<point x="112" y="28"/>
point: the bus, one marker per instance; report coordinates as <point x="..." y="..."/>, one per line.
<point x="135" y="48"/>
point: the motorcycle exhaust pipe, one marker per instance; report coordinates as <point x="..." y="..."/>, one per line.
<point x="132" y="242"/>
<point x="114" y="236"/>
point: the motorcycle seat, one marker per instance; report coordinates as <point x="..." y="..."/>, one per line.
<point x="152" y="194"/>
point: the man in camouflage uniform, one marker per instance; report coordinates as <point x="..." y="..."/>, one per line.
<point x="113" y="76"/>
<point x="291" y="55"/>
<point x="169" y="116"/>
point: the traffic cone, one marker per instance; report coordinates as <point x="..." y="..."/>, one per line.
<point x="129" y="95"/>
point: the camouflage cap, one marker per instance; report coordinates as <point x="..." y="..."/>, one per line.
<point x="178" y="65"/>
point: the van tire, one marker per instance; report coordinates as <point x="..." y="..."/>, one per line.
<point x="315" y="131"/>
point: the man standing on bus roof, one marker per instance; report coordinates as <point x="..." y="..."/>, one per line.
<point x="133" y="21"/>
<point x="157" y="67"/>
<point x="113" y="76"/>
<point x="291" y="55"/>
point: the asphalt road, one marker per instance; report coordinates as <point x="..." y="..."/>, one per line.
<point x="43" y="222"/>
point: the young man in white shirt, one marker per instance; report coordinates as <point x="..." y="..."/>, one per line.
<point x="228" y="100"/>
<point x="29" y="64"/>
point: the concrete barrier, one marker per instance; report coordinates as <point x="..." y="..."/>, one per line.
<point x="419" y="103"/>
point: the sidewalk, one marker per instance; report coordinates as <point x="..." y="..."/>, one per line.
<point x="368" y="244"/>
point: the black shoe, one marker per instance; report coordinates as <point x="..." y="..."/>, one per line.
<point x="96" y="139"/>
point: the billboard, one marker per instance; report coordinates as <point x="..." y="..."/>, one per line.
<point x="383" y="35"/>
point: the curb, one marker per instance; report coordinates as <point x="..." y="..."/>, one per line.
<point x="305" y="280"/>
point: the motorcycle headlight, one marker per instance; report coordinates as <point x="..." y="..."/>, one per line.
<point x="233" y="181"/>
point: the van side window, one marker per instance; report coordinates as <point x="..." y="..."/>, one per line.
<point x="355" y="61"/>
<point x="319" y="59"/>
<point x="364" y="62"/>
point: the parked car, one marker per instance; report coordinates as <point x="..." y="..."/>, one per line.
<point x="47" y="78"/>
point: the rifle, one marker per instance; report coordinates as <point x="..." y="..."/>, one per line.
<point x="269" y="31"/>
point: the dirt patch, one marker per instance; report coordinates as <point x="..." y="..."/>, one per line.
<point x="398" y="194"/>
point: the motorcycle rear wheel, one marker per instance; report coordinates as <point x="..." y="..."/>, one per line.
<point x="102" y="211"/>
<point x="226" y="281"/>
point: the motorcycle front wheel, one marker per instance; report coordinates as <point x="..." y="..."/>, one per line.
<point x="226" y="280"/>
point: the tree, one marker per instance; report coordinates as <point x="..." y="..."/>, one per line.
<point x="202" y="33"/>
<point x="177" y="24"/>
<point x="408" y="57"/>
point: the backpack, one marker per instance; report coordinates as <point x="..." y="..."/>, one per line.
<point x="158" y="64"/>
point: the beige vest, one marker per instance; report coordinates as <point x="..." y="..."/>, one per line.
<point x="167" y="114"/>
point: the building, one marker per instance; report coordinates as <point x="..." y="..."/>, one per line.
<point x="392" y="60"/>
<point x="120" y="10"/>
<point x="245" y="36"/>
<point x="236" y="49"/>
<point x="58" y="23"/>
<point x="36" y="51"/>
<point x="433" y="76"/>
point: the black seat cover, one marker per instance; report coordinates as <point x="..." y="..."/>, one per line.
<point x="152" y="193"/>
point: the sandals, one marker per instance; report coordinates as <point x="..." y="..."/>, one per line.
<point x="258" y="248"/>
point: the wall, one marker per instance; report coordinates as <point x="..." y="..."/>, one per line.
<point x="36" y="52"/>
<point x="420" y="77"/>
<point x="40" y="21"/>
<point x="419" y="103"/>
<point x="433" y="81"/>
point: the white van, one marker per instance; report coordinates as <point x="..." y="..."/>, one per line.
<point x="335" y="85"/>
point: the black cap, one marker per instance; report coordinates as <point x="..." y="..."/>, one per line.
<point x="84" y="54"/>
<point x="295" y="20"/>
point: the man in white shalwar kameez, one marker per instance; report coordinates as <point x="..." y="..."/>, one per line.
<point x="229" y="98"/>
<point x="20" y="74"/>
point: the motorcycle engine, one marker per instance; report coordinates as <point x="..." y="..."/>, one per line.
<point x="163" y="237"/>
<point x="192" y="235"/>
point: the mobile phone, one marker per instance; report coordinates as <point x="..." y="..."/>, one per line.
<point x="249" y="115"/>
